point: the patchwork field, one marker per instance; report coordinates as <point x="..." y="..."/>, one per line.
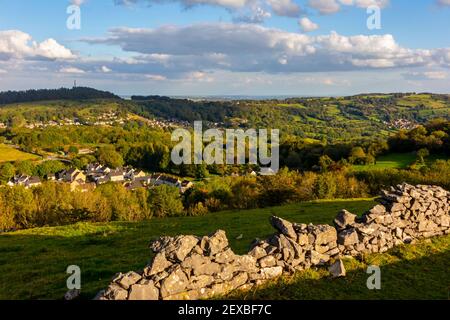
<point x="39" y="257"/>
<point x="9" y="154"/>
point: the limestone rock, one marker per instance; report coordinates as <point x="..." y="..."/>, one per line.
<point x="344" y="219"/>
<point x="216" y="243"/>
<point x="283" y="226"/>
<point x="146" y="291"/>
<point x="337" y="269"/>
<point x="348" y="237"/>
<point x="267" y="261"/>
<point x="115" y="292"/>
<point x="180" y="247"/>
<point x="159" y="263"/>
<point x="176" y="282"/>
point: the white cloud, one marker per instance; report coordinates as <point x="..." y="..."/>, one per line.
<point x="72" y="70"/>
<point x="155" y="77"/>
<point x="105" y="69"/>
<point x="286" y="8"/>
<point x="333" y="6"/>
<point x="307" y="25"/>
<point x="15" y="44"/>
<point x="325" y="6"/>
<point x="257" y="15"/>
<point x="174" y="50"/>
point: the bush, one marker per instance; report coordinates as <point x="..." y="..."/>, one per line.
<point x="165" y="201"/>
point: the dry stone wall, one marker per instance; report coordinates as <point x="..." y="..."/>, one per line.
<point x="190" y="267"/>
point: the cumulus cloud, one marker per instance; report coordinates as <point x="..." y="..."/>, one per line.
<point x="325" y="6"/>
<point x="15" y="44"/>
<point x="307" y="25"/>
<point x="286" y="8"/>
<point x="172" y="50"/>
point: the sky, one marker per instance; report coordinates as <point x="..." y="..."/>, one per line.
<point x="227" y="47"/>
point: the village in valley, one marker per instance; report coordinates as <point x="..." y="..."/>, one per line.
<point x="96" y="174"/>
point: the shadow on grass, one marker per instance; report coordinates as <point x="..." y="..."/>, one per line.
<point x="416" y="279"/>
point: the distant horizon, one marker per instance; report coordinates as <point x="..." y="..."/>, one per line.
<point x="235" y="96"/>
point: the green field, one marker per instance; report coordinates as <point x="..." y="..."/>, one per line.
<point x="397" y="161"/>
<point x="392" y="160"/>
<point x="33" y="262"/>
<point x="9" y="154"/>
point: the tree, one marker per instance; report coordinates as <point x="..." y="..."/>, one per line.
<point x="7" y="171"/>
<point x="201" y="171"/>
<point x="25" y="167"/>
<point x="73" y="150"/>
<point x="422" y="154"/>
<point x="49" y="167"/>
<point x="357" y="155"/>
<point x="165" y="201"/>
<point x="108" y="156"/>
<point x="325" y="162"/>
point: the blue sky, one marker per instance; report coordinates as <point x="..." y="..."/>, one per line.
<point x="227" y="47"/>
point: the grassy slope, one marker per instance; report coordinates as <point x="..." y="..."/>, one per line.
<point x="33" y="262"/>
<point x="418" y="271"/>
<point x="397" y="161"/>
<point x="9" y="154"/>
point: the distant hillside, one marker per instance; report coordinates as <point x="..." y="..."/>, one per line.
<point x="76" y="93"/>
<point x="330" y="118"/>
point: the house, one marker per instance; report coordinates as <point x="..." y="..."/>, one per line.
<point x="97" y="169"/>
<point x="136" y="184"/>
<point x="131" y="173"/>
<point x="33" y="182"/>
<point x="163" y="179"/>
<point x="116" y="175"/>
<point x="102" y="180"/>
<point x="72" y="175"/>
<point x="186" y="185"/>
<point x="23" y="180"/>
<point x="18" y="180"/>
